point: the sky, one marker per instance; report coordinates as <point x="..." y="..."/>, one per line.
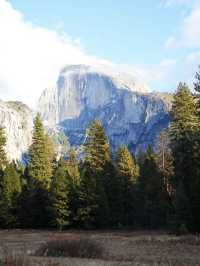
<point x="157" y="40"/>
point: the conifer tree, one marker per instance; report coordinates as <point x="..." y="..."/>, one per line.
<point x="127" y="172"/>
<point x="40" y="163"/>
<point x="34" y="212"/>
<point x="153" y="196"/>
<point x="185" y="143"/>
<point x="97" y="150"/>
<point x="73" y="171"/>
<point x="93" y="200"/>
<point x="10" y="189"/>
<point x="59" y="197"/>
<point x="114" y="195"/>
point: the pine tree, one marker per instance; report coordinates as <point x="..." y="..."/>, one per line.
<point x="127" y="172"/>
<point x="93" y="209"/>
<point x="10" y="189"/>
<point x="59" y="197"/>
<point x="153" y="196"/>
<point x="113" y="191"/>
<point x="185" y="143"/>
<point x="41" y="156"/>
<point x="35" y="196"/>
<point x="3" y="159"/>
<point x="97" y="150"/>
<point x="72" y="168"/>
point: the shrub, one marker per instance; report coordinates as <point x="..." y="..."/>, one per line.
<point x="81" y="248"/>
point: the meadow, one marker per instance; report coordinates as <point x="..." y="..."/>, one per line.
<point x="97" y="248"/>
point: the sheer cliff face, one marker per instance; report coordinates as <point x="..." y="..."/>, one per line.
<point x="129" y="114"/>
<point x="17" y="120"/>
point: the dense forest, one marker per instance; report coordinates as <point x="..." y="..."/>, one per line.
<point x="155" y="189"/>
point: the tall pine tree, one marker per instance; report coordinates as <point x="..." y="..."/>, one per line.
<point x="10" y="189"/>
<point x="94" y="209"/>
<point x="40" y="153"/>
<point x="185" y="143"/>
<point x="59" y="197"/>
<point x="35" y="196"/>
<point x="127" y="172"/>
<point x="153" y="196"/>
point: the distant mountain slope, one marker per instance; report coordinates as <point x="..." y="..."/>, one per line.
<point x="129" y="114"/>
<point x="17" y="119"/>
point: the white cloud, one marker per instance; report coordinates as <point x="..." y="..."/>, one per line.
<point x="31" y="56"/>
<point x="188" y="35"/>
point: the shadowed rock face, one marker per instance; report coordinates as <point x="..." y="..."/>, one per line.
<point x="129" y="114"/>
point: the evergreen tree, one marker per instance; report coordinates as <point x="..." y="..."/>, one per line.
<point x="59" y="197"/>
<point x="10" y="189"/>
<point x="185" y="143"/>
<point x="93" y="209"/>
<point x="114" y="195"/>
<point x="97" y="149"/>
<point x="73" y="171"/>
<point x="41" y="156"/>
<point x="127" y="172"/>
<point x="3" y="159"/>
<point x="35" y="196"/>
<point x="153" y="196"/>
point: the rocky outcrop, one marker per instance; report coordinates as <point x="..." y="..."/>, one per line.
<point x="17" y="120"/>
<point x="129" y="113"/>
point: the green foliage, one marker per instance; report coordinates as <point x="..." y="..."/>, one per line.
<point x="10" y="189"/>
<point x="127" y="173"/>
<point x="59" y="197"/>
<point x="100" y="191"/>
<point x="41" y="156"/>
<point x="94" y="210"/>
<point x="185" y="143"/>
<point x="97" y="150"/>
<point x="73" y="171"/>
<point x="3" y="159"/>
<point x="35" y="195"/>
<point x="154" y="200"/>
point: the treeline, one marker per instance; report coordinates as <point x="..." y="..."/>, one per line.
<point x="155" y="189"/>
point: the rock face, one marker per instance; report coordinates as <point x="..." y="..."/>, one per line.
<point x="129" y="113"/>
<point x="17" y="120"/>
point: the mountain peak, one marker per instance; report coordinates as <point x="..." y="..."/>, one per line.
<point x="121" y="79"/>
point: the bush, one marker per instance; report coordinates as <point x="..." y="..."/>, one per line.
<point x="80" y="248"/>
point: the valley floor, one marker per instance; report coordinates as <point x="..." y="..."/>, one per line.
<point x="121" y="247"/>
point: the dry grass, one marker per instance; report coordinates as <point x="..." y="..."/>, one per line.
<point x="75" y="248"/>
<point x="113" y="248"/>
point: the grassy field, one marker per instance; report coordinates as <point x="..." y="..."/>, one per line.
<point x="119" y="248"/>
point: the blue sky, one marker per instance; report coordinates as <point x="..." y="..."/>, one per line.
<point x="131" y="32"/>
<point x="157" y="39"/>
